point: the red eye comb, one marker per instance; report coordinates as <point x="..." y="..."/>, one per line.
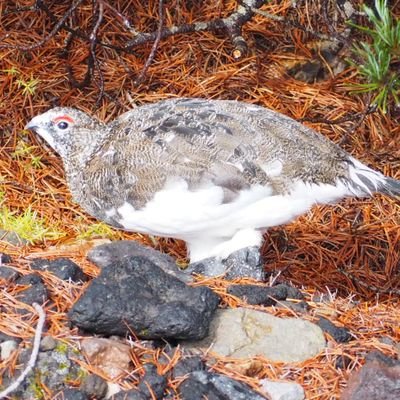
<point x="64" y="118"/>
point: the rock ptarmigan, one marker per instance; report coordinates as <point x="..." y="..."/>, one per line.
<point x="214" y="173"/>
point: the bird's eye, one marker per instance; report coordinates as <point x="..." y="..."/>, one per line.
<point x="62" y="125"/>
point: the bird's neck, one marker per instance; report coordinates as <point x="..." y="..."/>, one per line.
<point x="78" y="154"/>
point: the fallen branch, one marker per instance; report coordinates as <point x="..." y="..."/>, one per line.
<point x="155" y="44"/>
<point x="35" y="351"/>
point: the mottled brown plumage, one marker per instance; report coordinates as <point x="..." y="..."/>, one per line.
<point x="234" y="154"/>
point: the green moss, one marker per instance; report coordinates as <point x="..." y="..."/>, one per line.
<point x="61" y="348"/>
<point x="35" y="387"/>
<point x="144" y="332"/>
<point x="63" y="366"/>
<point x="75" y="375"/>
<point x="28" y="225"/>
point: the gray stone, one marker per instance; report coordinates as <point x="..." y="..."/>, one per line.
<point x="7" y="348"/>
<point x="245" y="262"/>
<point x="53" y="369"/>
<point x="282" y="390"/>
<point x="136" y="295"/>
<point x="113" y="253"/>
<point x="387" y="340"/>
<point x="12" y="238"/>
<point x="206" y="385"/>
<point x="377" y="379"/>
<point x="254" y="333"/>
<point x="48" y="343"/>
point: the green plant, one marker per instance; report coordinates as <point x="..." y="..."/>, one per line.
<point x="22" y="150"/>
<point x="27" y="225"/>
<point x="378" y="61"/>
<point x="28" y="86"/>
<point x="11" y="71"/>
<point x="35" y="387"/>
<point x="99" y="229"/>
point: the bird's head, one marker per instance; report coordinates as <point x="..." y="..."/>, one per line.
<point x="66" y="130"/>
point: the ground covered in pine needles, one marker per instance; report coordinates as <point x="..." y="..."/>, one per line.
<point x="350" y="250"/>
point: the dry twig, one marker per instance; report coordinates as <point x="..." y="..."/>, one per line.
<point x="35" y="351"/>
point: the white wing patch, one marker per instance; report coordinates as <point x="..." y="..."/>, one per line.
<point x="273" y="169"/>
<point x="181" y="213"/>
<point x="213" y="228"/>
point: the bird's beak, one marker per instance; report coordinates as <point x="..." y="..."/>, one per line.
<point x="31" y="125"/>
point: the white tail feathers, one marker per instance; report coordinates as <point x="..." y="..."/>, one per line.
<point x="364" y="181"/>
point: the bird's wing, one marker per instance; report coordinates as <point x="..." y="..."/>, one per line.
<point x="230" y="144"/>
<point x="202" y="142"/>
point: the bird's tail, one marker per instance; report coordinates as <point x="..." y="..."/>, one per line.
<point x="365" y="181"/>
<point x="390" y="187"/>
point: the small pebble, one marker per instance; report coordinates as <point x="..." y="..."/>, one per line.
<point x="48" y="343"/>
<point x="72" y="394"/>
<point x="152" y="379"/>
<point x="94" y="386"/>
<point x="341" y="335"/>
<point x="7" y="348"/>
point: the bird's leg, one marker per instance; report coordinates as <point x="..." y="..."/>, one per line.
<point x="233" y="258"/>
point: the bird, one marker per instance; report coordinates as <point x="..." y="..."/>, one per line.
<point x="214" y="173"/>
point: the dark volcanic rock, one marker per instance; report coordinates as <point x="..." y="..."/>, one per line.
<point x="130" y="395"/>
<point x="113" y="253"/>
<point x="8" y="274"/>
<point x="35" y="293"/>
<point x="205" y="385"/>
<point x="378" y="379"/>
<point x="94" y="386"/>
<point x="299" y="307"/>
<point x="71" y="394"/>
<point x="152" y="380"/>
<point x="135" y="294"/>
<point x="4" y="258"/>
<point x="341" y="335"/>
<point x="265" y="295"/>
<point x="187" y="365"/>
<point x="62" y="268"/>
<point x="343" y="362"/>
